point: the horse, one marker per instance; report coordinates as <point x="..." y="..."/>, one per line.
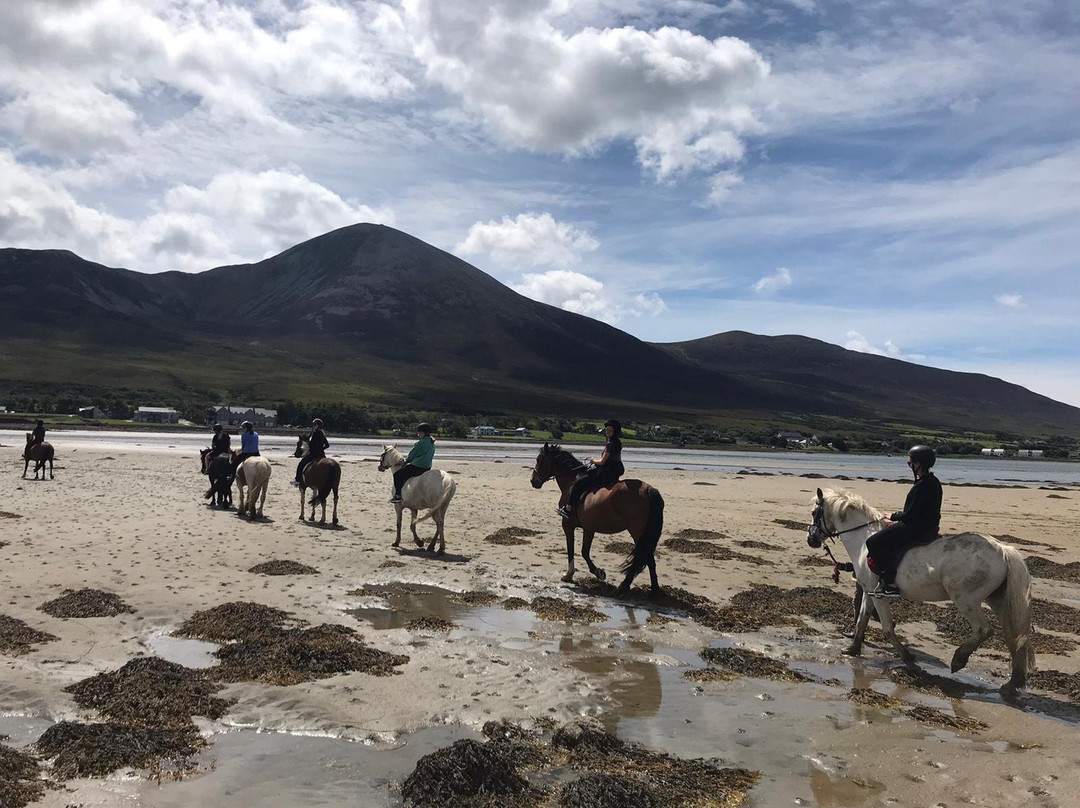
<point x="254" y="474"/>
<point x="322" y="474"/>
<point x="220" y="471"/>
<point x="968" y="569"/>
<point x="432" y="490"/>
<point x="40" y="453"/>
<point x="630" y="505"/>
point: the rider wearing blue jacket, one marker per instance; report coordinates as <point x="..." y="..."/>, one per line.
<point x="919" y="521"/>
<point x="249" y="443"/>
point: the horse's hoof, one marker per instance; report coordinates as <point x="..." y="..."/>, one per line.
<point x="1008" y="692"/>
<point x="396" y="544"/>
<point x="568" y="578"/>
<point x="600" y="574"/>
<point x="441" y="552"/>
<point x="852" y="650"/>
<point x="624" y="590"/>
<point x="959" y="662"/>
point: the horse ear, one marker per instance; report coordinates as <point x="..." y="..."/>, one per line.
<point x="819" y="496"/>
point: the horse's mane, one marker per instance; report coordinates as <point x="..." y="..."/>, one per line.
<point x="844" y="501"/>
<point x="390" y="447"/>
<point x="561" y="457"/>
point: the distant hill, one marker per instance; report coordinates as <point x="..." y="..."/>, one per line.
<point x="369" y="313"/>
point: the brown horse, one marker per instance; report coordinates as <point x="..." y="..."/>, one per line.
<point x="40" y="453"/>
<point x="324" y="476"/>
<point x="629" y="505"/>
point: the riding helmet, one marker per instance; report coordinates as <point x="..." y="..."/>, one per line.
<point x="317" y="422"/>
<point x="246" y="424"/>
<point x="424" y="427"/>
<point x="217" y="427"/>
<point x="923" y="455"/>
<point x="614" y="425"/>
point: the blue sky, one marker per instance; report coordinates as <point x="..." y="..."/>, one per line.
<point x="901" y="178"/>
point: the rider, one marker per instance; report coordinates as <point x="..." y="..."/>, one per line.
<point x="919" y="521"/>
<point x="249" y="444"/>
<point x="38" y="435"/>
<point x="417" y="461"/>
<point x="219" y="444"/>
<point x="316" y="449"/>
<point x="603" y="472"/>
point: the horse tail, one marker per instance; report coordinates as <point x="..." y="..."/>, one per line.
<point x="449" y="488"/>
<point x="1016" y="614"/>
<point x="645" y="547"/>
<point x="330" y="484"/>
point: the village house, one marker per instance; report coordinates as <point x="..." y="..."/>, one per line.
<point x="91" y="411"/>
<point x="522" y="432"/>
<point x="234" y="416"/>
<point x="482" y="431"/>
<point x="157" y="415"/>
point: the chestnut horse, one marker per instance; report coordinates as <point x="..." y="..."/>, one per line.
<point x="40" y="453"/>
<point x="629" y="505"/>
<point x="322" y="474"/>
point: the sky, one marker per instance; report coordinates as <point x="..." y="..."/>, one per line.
<point x="899" y="177"/>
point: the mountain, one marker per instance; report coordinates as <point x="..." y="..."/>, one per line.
<point x="369" y="313"/>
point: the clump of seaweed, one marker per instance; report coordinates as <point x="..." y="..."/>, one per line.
<point x="791" y="524"/>
<point x="706" y="549"/>
<point x="290" y="656"/>
<point x="1045" y="568"/>
<point x="95" y="750"/>
<point x="745" y="662"/>
<point x="710" y="675"/>
<point x="928" y="715"/>
<point x="474" y="598"/>
<point x="515" y="604"/>
<point x="606" y="791"/>
<point x="283" y="567"/>
<point x="697" y="534"/>
<point x="148" y="691"/>
<point x="1055" y="616"/>
<point x="428" y="623"/>
<point x="555" y="609"/>
<point x="933" y="684"/>
<point x="620" y="547"/>
<point x="9" y="515"/>
<point x="16" y="637"/>
<point x="750" y="544"/>
<point x="233" y="621"/>
<point x="20" y="778"/>
<point x="868" y="697"/>
<point x="391" y="563"/>
<point x="511" y="536"/>
<point x="86" y="603"/>
<point x="467" y="774"/>
<point x="1068" y="684"/>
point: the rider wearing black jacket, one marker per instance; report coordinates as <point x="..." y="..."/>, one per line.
<point x="38" y="435"/>
<point x="919" y="521"/>
<point x="317" y="446"/>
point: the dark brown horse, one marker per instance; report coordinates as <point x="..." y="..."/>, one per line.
<point x="629" y="505"/>
<point x="323" y="475"/>
<point x="40" y="453"/>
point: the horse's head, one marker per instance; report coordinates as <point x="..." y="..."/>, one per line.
<point x="818" y="530"/>
<point x="29" y="437"/>
<point x="390" y="457"/>
<point x="301" y="447"/>
<point x="545" y="467"/>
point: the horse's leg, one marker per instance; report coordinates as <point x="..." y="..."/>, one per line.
<point x="50" y="469"/>
<point x="980" y="630"/>
<point x="586" y="547"/>
<point x="652" y="576"/>
<point x="568" y="529"/>
<point x="412" y="526"/>
<point x="26" y="465"/>
<point x="434" y="539"/>
<point x="335" y="505"/>
<point x="887" y="626"/>
<point x="303" y="493"/>
<point x="323" y="520"/>
<point x="866" y="606"/>
<point x="400" y="509"/>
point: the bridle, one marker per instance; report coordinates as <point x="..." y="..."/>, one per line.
<point x="818" y="532"/>
<point x="539" y="479"/>
<point x="383" y="465"/>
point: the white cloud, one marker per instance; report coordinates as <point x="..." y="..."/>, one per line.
<point x="69" y="120"/>
<point x="581" y="294"/>
<point x="535" y="239"/>
<point x="722" y="186"/>
<point x="1010" y="301"/>
<point x="857" y="342"/>
<point x="770" y="284"/>
<point x="681" y="98"/>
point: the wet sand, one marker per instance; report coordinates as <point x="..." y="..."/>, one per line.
<point x="135" y="524"/>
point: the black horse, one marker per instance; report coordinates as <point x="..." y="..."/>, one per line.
<point x="220" y="470"/>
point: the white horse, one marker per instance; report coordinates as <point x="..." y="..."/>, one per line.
<point x="967" y="568"/>
<point x="253" y="474"/>
<point x="432" y="490"/>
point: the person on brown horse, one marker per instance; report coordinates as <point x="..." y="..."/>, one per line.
<point x="39" y="451"/>
<point x="219" y="444"/>
<point x="317" y="444"/>
<point x="38" y="435"/>
<point x="602" y="472"/>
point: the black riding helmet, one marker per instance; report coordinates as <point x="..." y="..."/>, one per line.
<point x="317" y="422"/>
<point x="923" y="455"/>
<point x="424" y="427"/>
<point x="217" y="427"/>
<point x="614" y="425"/>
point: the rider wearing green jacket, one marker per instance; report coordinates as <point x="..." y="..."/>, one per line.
<point x="417" y="461"/>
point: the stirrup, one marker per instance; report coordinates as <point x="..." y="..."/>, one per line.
<point x="886" y="591"/>
<point x="564" y="512"/>
<point x="395" y="500"/>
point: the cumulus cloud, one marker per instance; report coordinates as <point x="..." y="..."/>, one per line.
<point x="582" y="294"/>
<point x="536" y="239"/>
<point x="681" y="98"/>
<point x="770" y="284"/>
<point x="1010" y="301"/>
<point x="722" y="186"/>
<point x="857" y="342"/>
<point x="237" y="216"/>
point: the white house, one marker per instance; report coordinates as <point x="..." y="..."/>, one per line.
<point x="1029" y="453"/>
<point x="522" y="432"/>
<point x="157" y="415"/>
<point x="481" y="431"/>
<point x="993" y="452"/>
<point x="91" y="411"/>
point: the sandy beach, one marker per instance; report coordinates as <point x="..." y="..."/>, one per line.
<point x="135" y="524"/>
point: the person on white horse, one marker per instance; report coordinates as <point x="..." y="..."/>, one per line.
<point x="917" y="523"/>
<point x="317" y="444"/>
<point x="417" y="461"/>
<point x="249" y="444"/>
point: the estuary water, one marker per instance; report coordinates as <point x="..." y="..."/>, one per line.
<point x="972" y="470"/>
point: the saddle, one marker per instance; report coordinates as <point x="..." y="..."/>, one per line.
<point x="928" y="539"/>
